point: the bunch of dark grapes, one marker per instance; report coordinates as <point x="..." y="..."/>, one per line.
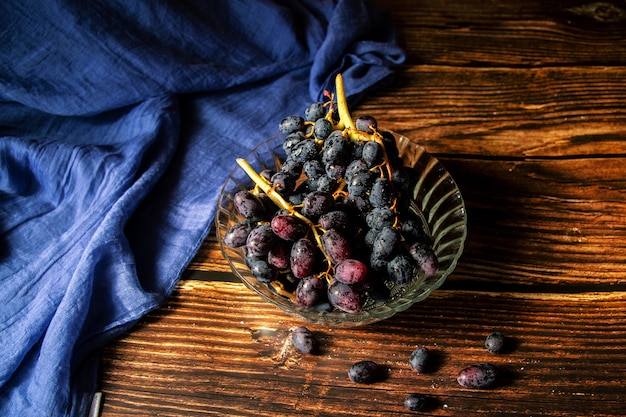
<point x="332" y="226"/>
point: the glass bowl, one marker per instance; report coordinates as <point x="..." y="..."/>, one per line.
<point x="435" y="198"/>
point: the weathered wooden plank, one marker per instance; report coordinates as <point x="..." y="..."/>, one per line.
<point x="556" y="223"/>
<point x="507" y="113"/>
<point x="216" y="349"/>
<point x="529" y="33"/>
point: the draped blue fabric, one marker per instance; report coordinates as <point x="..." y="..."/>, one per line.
<point x="119" y="121"/>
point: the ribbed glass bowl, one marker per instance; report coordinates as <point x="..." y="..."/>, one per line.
<point x="435" y="195"/>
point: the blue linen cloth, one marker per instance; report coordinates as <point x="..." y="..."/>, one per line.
<point x="119" y="122"/>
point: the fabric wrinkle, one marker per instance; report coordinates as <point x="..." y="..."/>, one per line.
<point x="119" y="123"/>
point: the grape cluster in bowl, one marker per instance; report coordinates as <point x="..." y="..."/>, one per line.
<point x="340" y="222"/>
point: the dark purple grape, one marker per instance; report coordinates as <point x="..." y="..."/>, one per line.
<point x="363" y="372"/>
<point x="359" y="202"/>
<point x="238" y="233"/>
<point x="425" y="258"/>
<point x="494" y="342"/>
<point x="415" y="402"/>
<point x="335" y="171"/>
<point x="314" y="111"/>
<point x="288" y="227"/>
<point x="400" y="268"/>
<point x="302" y="257"/>
<point x="291" y="140"/>
<point x="337" y="134"/>
<point x="360" y="183"/>
<point x="372" y="154"/>
<point x="381" y="194"/>
<point x="284" y="182"/>
<point x="296" y="198"/>
<point x="385" y="242"/>
<point x="380" y="217"/>
<point x="480" y="376"/>
<point x="267" y="203"/>
<point x="291" y="124"/>
<point x="317" y="203"/>
<point x="378" y="264"/>
<point x="357" y="150"/>
<point x="279" y="256"/>
<point x="304" y="151"/>
<point x="250" y="258"/>
<point x="313" y="169"/>
<point x="412" y="231"/>
<point x="345" y="298"/>
<point x="350" y="271"/>
<point x="322" y="128"/>
<point x="262" y="270"/>
<point x="249" y="206"/>
<point x="372" y="286"/>
<point x="304" y="340"/>
<point x="419" y="359"/>
<point x="336" y="149"/>
<point x="260" y="240"/>
<point x="355" y="167"/>
<point x="350" y="217"/>
<point x="310" y="291"/>
<point x="326" y="184"/>
<point x="336" y="246"/>
<point x="292" y="167"/>
<point x="336" y="219"/>
<point x="366" y="124"/>
<point x="311" y="184"/>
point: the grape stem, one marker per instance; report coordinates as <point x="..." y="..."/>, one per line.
<point x="345" y="120"/>
<point x="267" y="188"/>
<point x="347" y="125"/>
<point x="264" y="185"/>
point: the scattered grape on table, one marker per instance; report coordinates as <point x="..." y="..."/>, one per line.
<point x="416" y="402"/>
<point x="304" y="340"/>
<point x="331" y="224"/>
<point x="364" y="372"/>
<point x="419" y="359"/>
<point x="495" y="342"/>
<point x="478" y="376"/>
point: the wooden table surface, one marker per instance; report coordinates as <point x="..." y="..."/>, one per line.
<point x="524" y="102"/>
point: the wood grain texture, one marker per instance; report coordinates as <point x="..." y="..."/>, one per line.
<point x="216" y="349"/>
<point x="557" y="223"/>
<point x="523" y="102"/>
<point x="507" y="113"/>
<point x="531" y="33"/>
